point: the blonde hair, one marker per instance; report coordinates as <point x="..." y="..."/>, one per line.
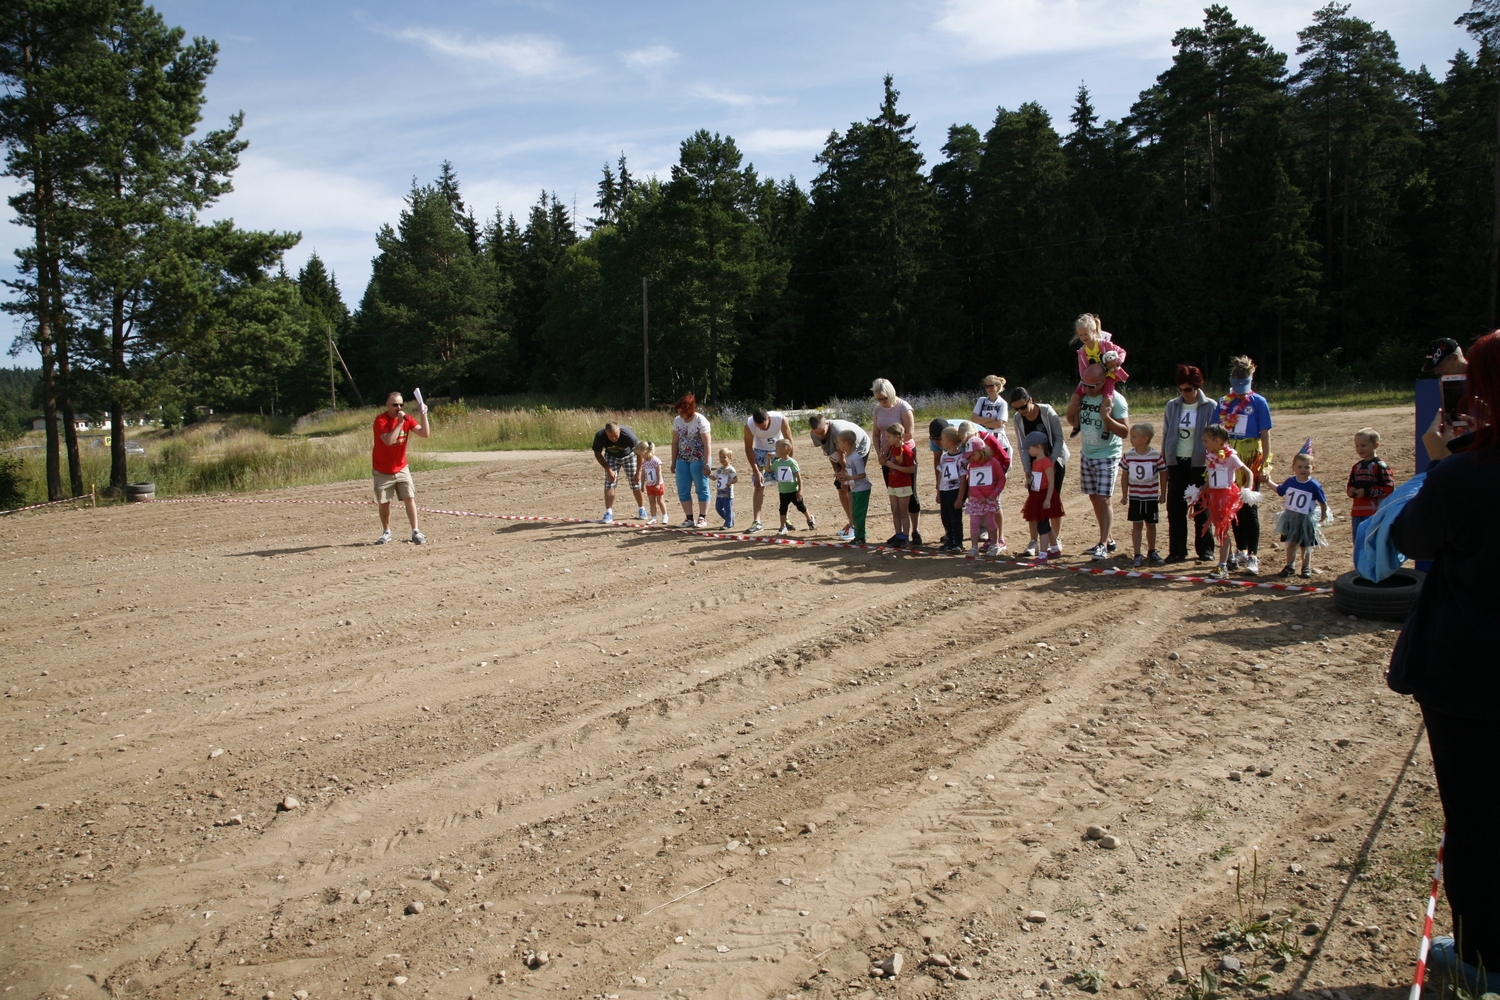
<point x="645" y="448"/>
<point x="1143" y="428"/>
<point x="1302" y="456"/>
<point x="895" y="431"/>
<point x="998" y="381"/>
<point x="1240" y="366"/>
<point x="1086" y="322"/>
<point x="725" y="455"/>
<point x="787" y="442"/>
<point x="881" y="388"/>
<point x="952" y="434"/>
<point x="1370" y="434"/>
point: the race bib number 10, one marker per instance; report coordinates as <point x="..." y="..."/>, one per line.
<point x="1298" y="501"/>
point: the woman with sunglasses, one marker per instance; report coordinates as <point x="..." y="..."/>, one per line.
<point x="1182" y="446"/>
<point x="892" y="409"/>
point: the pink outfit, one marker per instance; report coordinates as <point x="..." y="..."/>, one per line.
<point x="986" y="481"/>
<point x="1088" y="355"/>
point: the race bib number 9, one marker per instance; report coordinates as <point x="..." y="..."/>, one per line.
<point x="1140" y="472"/>
<point x="786" y="474"/>
<point x="981" y="475"/>
<point x="1298" y="501"/>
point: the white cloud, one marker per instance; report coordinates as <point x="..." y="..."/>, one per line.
<point x="1005" y="28"/>
<point x="652" y="58"/>
<point x="269" y="194"/>
<point x="520" y="55"/>
<point x="710" y="93"/>
<point x="783" y="140"/>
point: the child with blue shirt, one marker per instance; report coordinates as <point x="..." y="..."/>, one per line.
<point x="1297" y="525"/>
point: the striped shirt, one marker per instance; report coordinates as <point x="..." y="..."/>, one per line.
<point x="1143" y="473"/>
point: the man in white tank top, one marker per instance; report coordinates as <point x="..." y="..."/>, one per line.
<point x="762" y="430"/>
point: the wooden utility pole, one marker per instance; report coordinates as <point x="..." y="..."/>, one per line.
<point x="645" y="347"/>
<point x="333" y="400"/>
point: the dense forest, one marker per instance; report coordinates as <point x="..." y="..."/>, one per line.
<point x="1327" y="211"/>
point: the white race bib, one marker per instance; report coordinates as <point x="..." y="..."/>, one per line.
<point x="651" y="476"/>
<point x="1220" y="477"/>
<point x="981" y="475"/>
<point x="1186" y="423"/>
<point x="1038" y="481"/>
<point x="1241" y="425"/>
<point x="723" y="482"/>
<point x="1141" y="472"/>
<point x="949" y="469"/>
<point x="1298" y="501"/>
<point x="786" y="474"/>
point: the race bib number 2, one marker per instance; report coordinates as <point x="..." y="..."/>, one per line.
<point x="981" y="475"/>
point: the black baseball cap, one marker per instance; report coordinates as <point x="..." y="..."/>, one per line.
<point x="1438" y="350"/>
<point x="1019" y="393"/>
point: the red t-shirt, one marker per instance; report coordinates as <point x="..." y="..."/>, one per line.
<point x="902" y="454"/>
<point x="390" y="458"/>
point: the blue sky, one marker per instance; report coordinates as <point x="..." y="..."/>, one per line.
<point x="346" y="103"/>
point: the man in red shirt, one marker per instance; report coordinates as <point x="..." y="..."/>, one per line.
<point x="388" y="461"/>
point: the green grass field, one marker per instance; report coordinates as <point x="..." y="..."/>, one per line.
<point x="241" y="453"/>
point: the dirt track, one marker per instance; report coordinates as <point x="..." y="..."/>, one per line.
<point x="680" y="766"/>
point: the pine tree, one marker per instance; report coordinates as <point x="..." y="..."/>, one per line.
<point x="1482" y="19"/>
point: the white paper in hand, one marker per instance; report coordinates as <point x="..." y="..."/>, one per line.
<point x="420" y="404"/>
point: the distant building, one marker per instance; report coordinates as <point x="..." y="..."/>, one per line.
<point x="87" y="422"/>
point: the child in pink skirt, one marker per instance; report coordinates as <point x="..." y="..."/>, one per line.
<point x="986" y="483"/>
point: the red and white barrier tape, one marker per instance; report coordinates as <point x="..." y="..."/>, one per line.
<point x="49" y="503"/>
<point x="771" y="539"/>
<point x="1432" y="898"/>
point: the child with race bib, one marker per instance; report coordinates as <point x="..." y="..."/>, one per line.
<point x="1220" y="497"/>
<point x="725" y="477"/>
<point x="852" y="471"/>
<point x="656" y="490"/>
<point x="1145" y="490"/>
<point x="1296" y="525"/>
<point x="899" y="457"/>
<point x="985" y="482"/>
<point x="1043" y="501"/>
<point x="952" y="467"/>
<point x="788" y="476"/>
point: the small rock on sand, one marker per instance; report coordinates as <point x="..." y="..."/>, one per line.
<point x="414" y="907"/>
<point x="364" y="896"/>
<point x="289" y="803"/>
<point x="1229" y="964"/>
<point x="1036" y="917"/>
<point x="398" y="980"/>
<point x="1094" y="832"/>
<point x="1109" y="842"/>
<point x="940" y="960"/>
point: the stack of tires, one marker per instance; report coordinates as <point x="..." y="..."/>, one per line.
<point x="1390" y="600"/>
<point x="137" y="492"/>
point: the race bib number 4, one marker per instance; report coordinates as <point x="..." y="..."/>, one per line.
<point x="1298" y="501"/>
<point x="981" y="475"/>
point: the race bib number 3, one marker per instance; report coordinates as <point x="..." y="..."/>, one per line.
<point x="1298" y="501"/>
<point x="981" y="476"/>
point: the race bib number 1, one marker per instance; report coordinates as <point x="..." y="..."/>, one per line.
<point x="651" y="476"/>
<point x="1220" y="477"/>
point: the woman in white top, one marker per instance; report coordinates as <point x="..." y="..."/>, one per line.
<point x="692" y="443"/>
<point x="992" y="412"/>
<point x="891" y="409"/>
<point x="763" y="428"/>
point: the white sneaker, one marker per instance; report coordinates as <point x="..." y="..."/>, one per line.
<point x="417" y="538"/>
<point x="847" y="535"/>
<point x="783" y="532"/>
<point x="640" y="515"/>
<point x="385" y="536"/>
<point x="754" y="526"/>
<point x="1099" y="552"/>
<point x="1252" y="565"/>
<point x="993" y="550"/>
<point x="651" y="520"/>
<point x="1239" y="559"/>
<point x="1029" y="552"/>
<point x="702" y="522"/>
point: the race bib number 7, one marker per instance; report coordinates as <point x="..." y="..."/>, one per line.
<point x="786" y="474"/>
<point x="981" y="475"/>
<point x="1298" y="501"/>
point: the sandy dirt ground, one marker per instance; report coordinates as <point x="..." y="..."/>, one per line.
<point x="679" y="766"/>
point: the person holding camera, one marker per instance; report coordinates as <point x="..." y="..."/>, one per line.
<point x="1446" y="658"/>
<point x="388" y="463"/>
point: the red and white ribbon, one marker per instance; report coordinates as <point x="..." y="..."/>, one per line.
<point x="1432" y="898"/>
<point x="771" y="539"/>
<point x="49" y="503"/>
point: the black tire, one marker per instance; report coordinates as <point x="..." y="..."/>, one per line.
<point x="1390" y="600"/>
<point x="140" y="488"/>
